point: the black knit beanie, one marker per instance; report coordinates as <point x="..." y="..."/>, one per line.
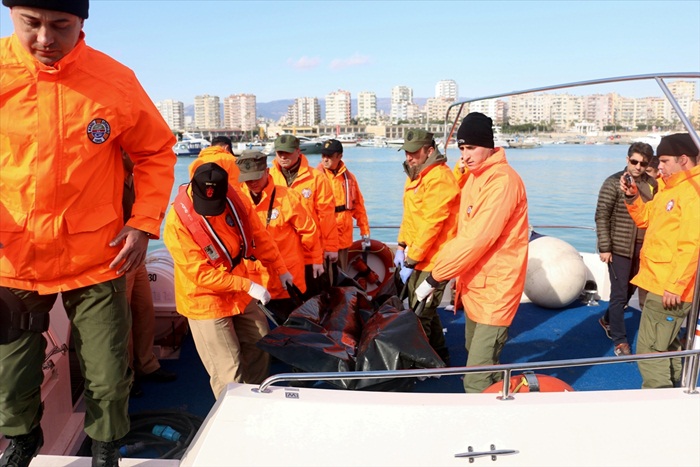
<point x="476" y="130"/>
<point x="75" y="7"/>
<point x="677" y="145"/>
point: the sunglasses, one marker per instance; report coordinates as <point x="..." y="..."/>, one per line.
<point x="635" y="162"/>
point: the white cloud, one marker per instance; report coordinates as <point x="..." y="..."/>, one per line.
<point x="304" y="63"/>
<point x="354" y="60"/>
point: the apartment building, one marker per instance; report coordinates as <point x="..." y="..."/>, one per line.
<point x="305" y="111"/>
<point x="366" y="106"/>
<point x="239" y="112"/>
<point x="338" y="108"/>
<point x="447" y="89"/>
<point x="173" y="113"/>
<point x="207" y="112"/>
<point x="401" y="98"/>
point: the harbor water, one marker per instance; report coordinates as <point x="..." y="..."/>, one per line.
<point x="562" y="183"/>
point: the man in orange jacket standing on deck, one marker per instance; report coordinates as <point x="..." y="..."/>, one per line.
<point x="349" y="203"/>
<point x="66" y="112"/>
<point x="669" y="256"/>
<point x="430" y="205"/>
<point x="489" y="254"/>
<point x="291" y="168"/>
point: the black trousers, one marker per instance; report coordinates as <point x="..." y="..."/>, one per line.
<point x="621" y="271"/>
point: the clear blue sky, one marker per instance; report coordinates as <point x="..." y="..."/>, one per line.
<point x="279" y="50"/>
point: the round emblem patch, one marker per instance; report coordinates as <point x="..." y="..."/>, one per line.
<point x="670" y="205"/>
<point x="98" y="130"/>
<point x="274" y="214"/>
<point x="306" y="193"/>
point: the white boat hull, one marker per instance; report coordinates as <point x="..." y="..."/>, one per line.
<point x="300" y="426"/>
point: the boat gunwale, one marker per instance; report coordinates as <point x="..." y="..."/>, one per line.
<point x="693" y="355"/>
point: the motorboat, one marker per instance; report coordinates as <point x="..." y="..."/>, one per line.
<point x="395" y="142"/>
<point x="190" y="145"/>
<point x="292" y="419"/>
<point x="652" y="139"/>
<point x="347" y="138"/>
<point x="523" y="142"/>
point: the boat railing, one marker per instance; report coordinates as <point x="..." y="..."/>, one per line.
<point x="690" y="384"/>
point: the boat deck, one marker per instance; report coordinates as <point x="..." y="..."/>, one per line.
<point x="537" y="334"/>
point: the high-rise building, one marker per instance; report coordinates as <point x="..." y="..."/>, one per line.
<point x="207" y="113"/>
<point x="401" y="97"/>
<point x="239" y="112"/>
<point x="173" y="113"/>
<point x="447" y="88"/>
<point x="436" y="109"/>
<point x="338" y="108"/>
<point x="305" y="111"/>
<point x="366" y="106"/>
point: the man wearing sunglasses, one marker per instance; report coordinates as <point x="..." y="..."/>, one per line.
<point x="620" y="241"/>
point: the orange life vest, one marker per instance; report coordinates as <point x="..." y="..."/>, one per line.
<point x="206" y="237"/>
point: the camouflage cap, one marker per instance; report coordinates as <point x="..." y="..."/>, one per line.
<point x="286" y="143"/>
<point x="415" y="139"/>
<point x="252" y="165"/>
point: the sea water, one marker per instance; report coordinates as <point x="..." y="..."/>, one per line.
<point x="562" y="183"/>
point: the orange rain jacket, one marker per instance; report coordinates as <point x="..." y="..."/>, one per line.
<point x="61" y="172"/>
<point x="430" y="206"/>
<point x="294" y="232"/>
<point x="203" y="291"/>
<point x="222" y="158"/>
<point x="489" y="254"/>
<point x="317" y="195"/>
<point x="669" y="257"/>
<point x="349" y="203"/>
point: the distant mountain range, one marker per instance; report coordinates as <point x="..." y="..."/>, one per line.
<point x="277" y="109"/>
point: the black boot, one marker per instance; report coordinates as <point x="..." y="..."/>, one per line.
<point x="105" y="453"/>
<point x="22" y="449"/>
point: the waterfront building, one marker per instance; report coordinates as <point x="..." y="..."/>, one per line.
<point x="173" y="113"/>
<point x="598" y="109"/>
<point x="305" y="111"/>
<point x="338" y="108"/>
<point x="366" y="106"/>
<point x="401" y="97"/>
<point x="447" y="89"/>
<point x="239" y="112"/>
<point x="436" y="108"/>
<point x="207" y="111"/>
<point x="494" y="108"/>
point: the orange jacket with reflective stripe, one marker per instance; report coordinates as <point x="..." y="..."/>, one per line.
<point x="430" y="206"/>
<point x="62" y="129"/>
<point x="346" y="192"/>
<point x="669" y="257"/>
<point x="206" y="292"/>
<point x="221" y="157"/>
<point x="317" y="195"/>
<point x="489" y="254"/>
<point x="294" y="232"/>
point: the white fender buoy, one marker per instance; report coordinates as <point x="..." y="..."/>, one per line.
<point x="556" y="273"/>
<point x="161" y="276"/>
